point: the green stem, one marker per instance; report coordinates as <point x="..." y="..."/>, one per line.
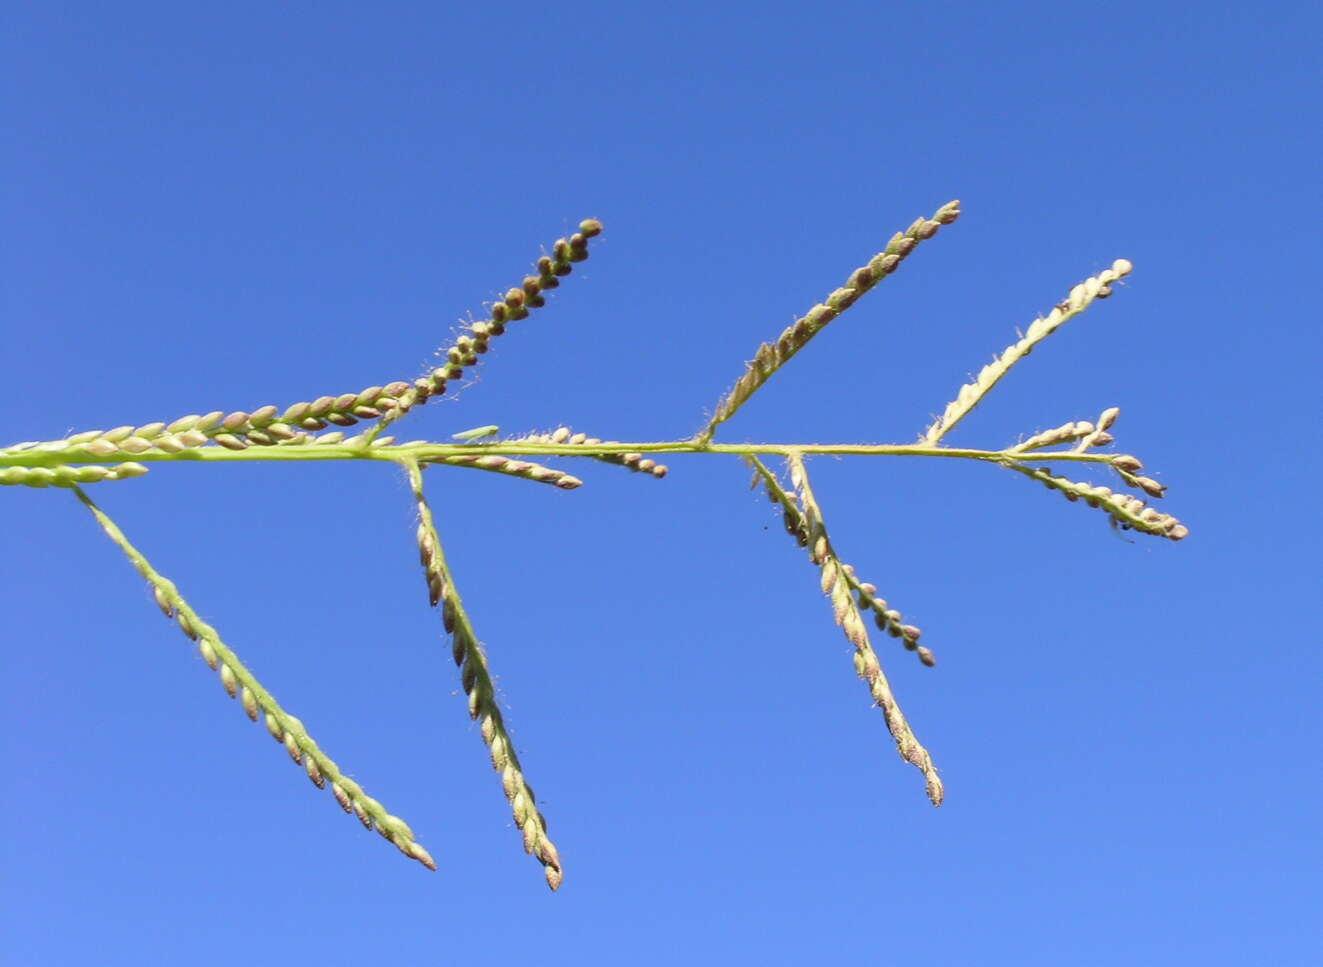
<point x="430" y="452"/>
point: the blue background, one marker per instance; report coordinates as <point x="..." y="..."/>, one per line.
<point x="221" y="206"/>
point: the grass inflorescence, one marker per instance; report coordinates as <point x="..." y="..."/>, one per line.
<point x="316" y="430"/>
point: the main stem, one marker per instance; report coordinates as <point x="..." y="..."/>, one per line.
<point x="425" y="452"/>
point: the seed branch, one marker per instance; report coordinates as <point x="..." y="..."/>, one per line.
<point x="836" y="584"/>
<point x="62" y="475"/>
<point x="1080" y="298"/>
<point x="1124" y="510"/>
<point x="476" y="677"/>
<point x="239" y="681"/>
<point x="797" y="526"/>
<point x="270" y="425"/>
<point x="562" y="435"/>
<point x="472" y="343"/>
<point x="513" y="468"/>
<point x="772" y="356"/>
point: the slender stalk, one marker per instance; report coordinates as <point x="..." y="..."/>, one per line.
<point x="425" y="452"/>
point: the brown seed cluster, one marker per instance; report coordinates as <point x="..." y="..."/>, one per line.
<point x="890" y="620"/>
<point x="515" y="305"/>
<point x="1127" y="511"/>
<point x="480" y="690"/>
<point x="1099" y="435"/>
<point x="633" y="461"/>
<point x="836" y="583"/>
<point x="270" y="425"/>
<point x="886" y="618"/>
<point x="1128" y="467"/>
<point x="514" y="468"/>
<point x="772" y="356"/>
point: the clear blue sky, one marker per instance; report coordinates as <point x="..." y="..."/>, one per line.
<point x="221" y="206"/>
